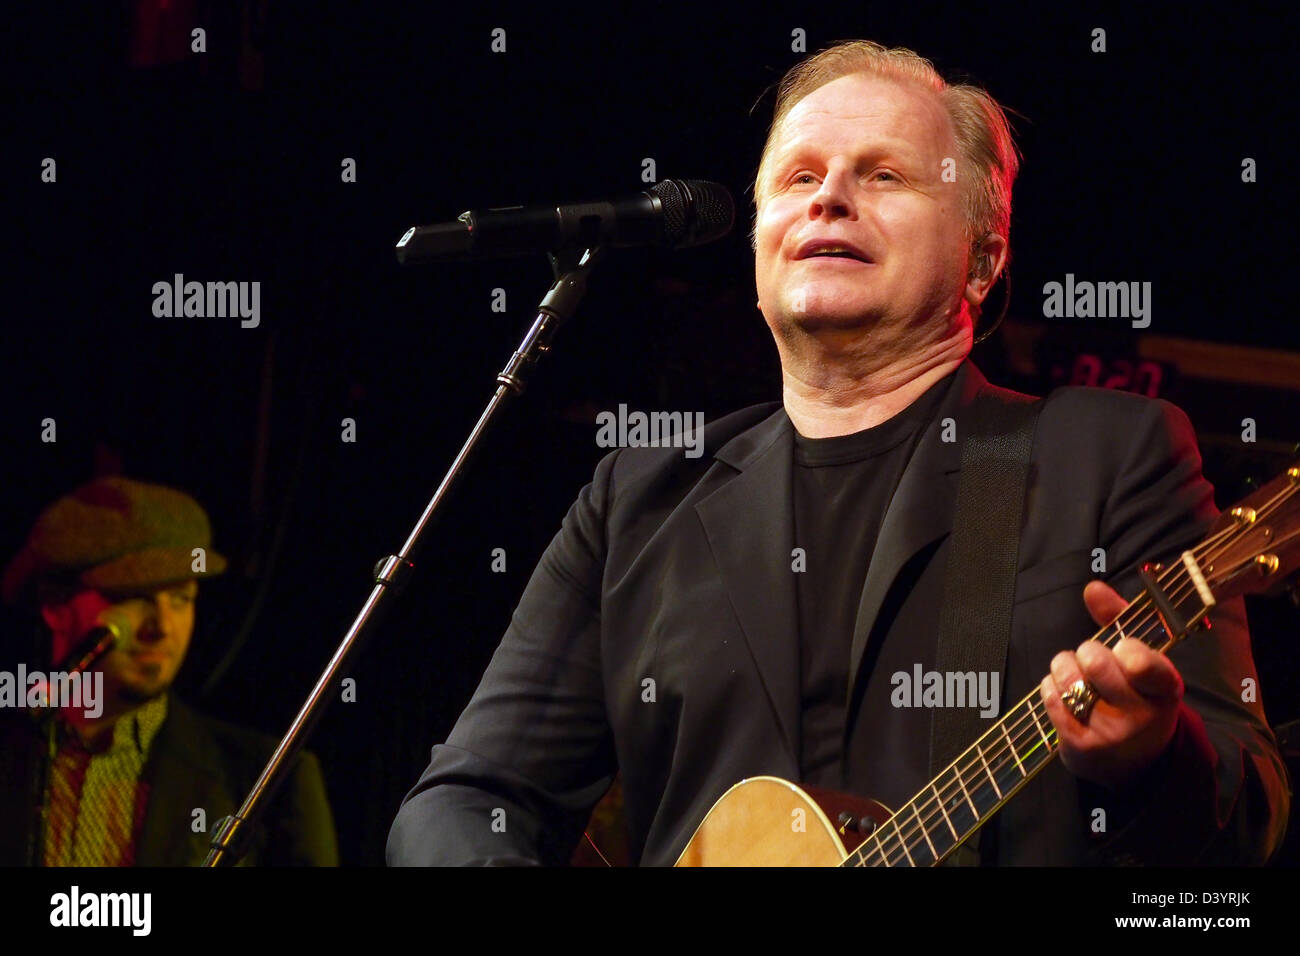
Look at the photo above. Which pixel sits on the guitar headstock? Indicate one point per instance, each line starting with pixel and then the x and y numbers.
pixel 1254 547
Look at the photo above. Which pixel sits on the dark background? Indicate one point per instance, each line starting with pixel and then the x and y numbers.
pixel 225 166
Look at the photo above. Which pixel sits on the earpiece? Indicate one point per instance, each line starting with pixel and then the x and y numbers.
pixel 982 264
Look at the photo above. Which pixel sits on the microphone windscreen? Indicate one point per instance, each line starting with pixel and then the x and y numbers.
pixel 695 211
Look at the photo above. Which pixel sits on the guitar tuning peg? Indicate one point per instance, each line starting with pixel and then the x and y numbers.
pixel 865 825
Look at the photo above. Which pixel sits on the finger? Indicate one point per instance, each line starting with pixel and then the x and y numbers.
pixel 1103 672
pixel 1070 731
pixel 1065 670
pixel 1103 602
pixel 1148 672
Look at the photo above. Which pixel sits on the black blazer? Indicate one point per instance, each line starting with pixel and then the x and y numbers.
pixel 678 571
pixel 194 762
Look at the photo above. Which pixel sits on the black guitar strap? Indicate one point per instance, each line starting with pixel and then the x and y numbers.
pixel 980 581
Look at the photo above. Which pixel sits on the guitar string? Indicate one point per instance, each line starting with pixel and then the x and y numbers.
pixel 995 759
pixel 998 758
pixel 1029 729
pixel 996 754
pixel 1025 731
pixel 906 837
pixel 1029 739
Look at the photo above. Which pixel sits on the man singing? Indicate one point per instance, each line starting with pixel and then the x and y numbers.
pixel 140 779
pixel 668 635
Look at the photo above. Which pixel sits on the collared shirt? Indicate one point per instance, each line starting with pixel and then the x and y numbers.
pixel 94 797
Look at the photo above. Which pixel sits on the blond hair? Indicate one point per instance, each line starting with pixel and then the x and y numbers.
pixel 987 162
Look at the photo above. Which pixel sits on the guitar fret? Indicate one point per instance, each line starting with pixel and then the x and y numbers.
pixel 1033 712
pixel 1012 748
pixel 1180 597
pixel 945 814
pixel 925 833
pixel 992 779
pixel 961 783
pixel 903 844
pixel 880 848
pixel 1155 617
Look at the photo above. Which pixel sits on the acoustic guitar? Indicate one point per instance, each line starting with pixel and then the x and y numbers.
pixel 766 821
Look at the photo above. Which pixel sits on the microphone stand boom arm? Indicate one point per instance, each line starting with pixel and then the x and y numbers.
pixel 571 268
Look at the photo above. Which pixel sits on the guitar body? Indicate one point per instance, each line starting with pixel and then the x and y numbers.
pixel 767 821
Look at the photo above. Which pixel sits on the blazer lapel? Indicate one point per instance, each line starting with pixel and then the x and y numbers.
pixel 749 524
pixel 920 512
pixel 181 770
pixel 750 530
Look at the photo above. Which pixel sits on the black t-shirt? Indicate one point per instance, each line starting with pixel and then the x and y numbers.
pixel 842 487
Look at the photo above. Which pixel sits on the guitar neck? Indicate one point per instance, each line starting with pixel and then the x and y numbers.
pixel 970 790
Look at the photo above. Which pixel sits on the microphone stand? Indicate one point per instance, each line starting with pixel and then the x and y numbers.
pixel 571 268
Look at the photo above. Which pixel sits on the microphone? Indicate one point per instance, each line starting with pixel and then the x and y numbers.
pixel 98 642
pixel 676 213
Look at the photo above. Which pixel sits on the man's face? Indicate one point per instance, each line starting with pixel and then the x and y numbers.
pixel 861 161
pixel 157 624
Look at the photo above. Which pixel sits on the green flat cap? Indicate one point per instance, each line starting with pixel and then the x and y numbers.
pixel 117 536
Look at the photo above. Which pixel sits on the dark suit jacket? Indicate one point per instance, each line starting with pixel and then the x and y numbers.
pixel 678 570
pixel 194 762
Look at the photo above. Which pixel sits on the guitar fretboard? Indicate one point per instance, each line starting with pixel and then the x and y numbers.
pixel 975 786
